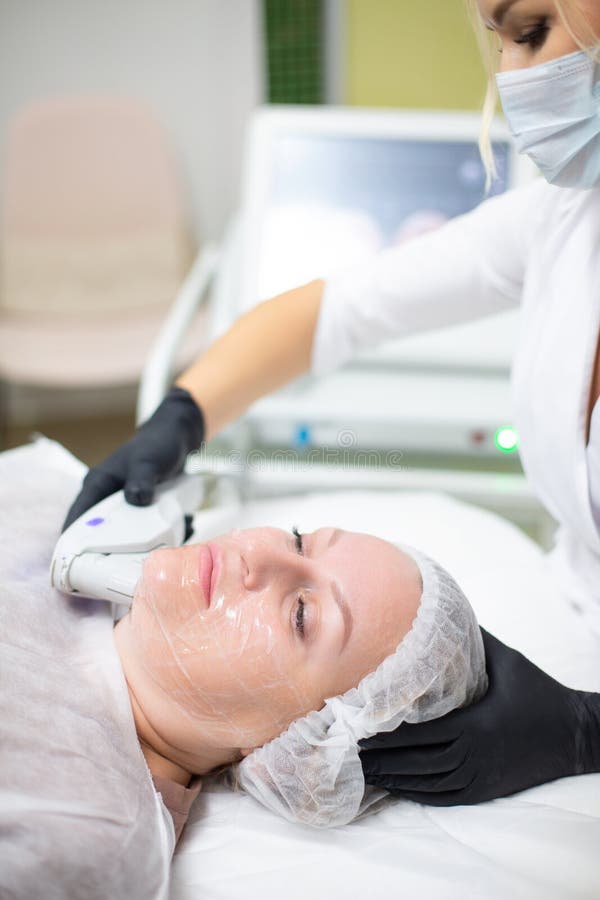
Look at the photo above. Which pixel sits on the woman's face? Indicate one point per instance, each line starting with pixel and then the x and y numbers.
pixel 532 32
pixel 230 641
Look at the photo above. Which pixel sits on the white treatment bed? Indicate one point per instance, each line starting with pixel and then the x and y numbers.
pixel 542 843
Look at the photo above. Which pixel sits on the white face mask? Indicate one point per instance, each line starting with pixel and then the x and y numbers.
pixel 553 112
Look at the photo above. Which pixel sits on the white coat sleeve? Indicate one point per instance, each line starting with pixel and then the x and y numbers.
pixel 473 266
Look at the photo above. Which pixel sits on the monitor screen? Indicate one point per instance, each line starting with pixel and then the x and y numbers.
pixel 336 200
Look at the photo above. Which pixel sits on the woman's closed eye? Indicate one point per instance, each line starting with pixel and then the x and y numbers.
pixel 299 609
pixel 299 617
pixel 299 544
pixel 535 37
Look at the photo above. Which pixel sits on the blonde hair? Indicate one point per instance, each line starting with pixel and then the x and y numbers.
pixel 578 27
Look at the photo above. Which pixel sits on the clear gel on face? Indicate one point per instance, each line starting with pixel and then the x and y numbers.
pixel 217 656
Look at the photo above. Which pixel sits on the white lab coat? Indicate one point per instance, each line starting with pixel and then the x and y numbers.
pixel 537 247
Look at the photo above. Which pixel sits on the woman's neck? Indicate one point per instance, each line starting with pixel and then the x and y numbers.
pixel 157 760
pixel 162 767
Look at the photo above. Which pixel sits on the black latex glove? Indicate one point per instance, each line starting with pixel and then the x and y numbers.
pixel 528 729
pixel 155 453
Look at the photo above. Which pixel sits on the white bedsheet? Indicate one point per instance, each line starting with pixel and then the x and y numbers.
pixel 543 843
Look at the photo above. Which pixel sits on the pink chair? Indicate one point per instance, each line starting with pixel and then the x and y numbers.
pixel 94 244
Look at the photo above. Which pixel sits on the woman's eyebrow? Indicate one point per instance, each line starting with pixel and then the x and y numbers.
pixel 501 9
pixel 345 611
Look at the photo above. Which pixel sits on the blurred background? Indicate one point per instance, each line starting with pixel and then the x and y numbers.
pixel 121 144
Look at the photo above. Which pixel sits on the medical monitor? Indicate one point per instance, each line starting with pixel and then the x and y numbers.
pixel 327 187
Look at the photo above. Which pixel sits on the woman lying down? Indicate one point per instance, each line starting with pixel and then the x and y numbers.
pixel 268 652
pixel 276 652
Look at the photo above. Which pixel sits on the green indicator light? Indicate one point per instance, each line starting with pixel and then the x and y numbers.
pixel 506 440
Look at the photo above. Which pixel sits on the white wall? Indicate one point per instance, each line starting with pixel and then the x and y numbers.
pixel 198 62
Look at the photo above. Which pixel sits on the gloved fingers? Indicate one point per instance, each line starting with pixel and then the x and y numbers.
pixel 440 790
pixel 436 759
pixel 433 798
pixel 97 485
pixel 495 650
pixel 142 478
pixel 437 731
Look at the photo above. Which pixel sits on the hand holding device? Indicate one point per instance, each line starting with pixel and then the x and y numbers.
pixel 157 451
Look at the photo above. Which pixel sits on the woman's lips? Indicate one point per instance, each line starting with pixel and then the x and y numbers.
pixel 205 570
pixel 216 555
pixel 209 570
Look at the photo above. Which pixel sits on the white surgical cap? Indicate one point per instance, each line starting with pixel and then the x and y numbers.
pixel 312 772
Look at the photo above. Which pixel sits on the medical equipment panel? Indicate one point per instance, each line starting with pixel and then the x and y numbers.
pixel 331 187
pixel 339 199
